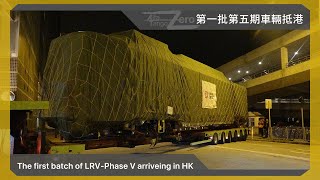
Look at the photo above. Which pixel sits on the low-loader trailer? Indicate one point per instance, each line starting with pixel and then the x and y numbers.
pixel 126 89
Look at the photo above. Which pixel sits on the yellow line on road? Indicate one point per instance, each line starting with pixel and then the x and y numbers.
pixel 281 147
pixel 257 144
pixel 306 150
pixel 271 142
pixel 266 153
pixel 299 152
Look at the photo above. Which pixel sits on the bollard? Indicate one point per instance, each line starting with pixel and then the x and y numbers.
pixel 304 134
pixel 252 132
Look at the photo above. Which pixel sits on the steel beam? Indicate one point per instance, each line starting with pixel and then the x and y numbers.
pixel 29 105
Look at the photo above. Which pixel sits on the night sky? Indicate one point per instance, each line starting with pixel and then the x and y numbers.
pixel 212 48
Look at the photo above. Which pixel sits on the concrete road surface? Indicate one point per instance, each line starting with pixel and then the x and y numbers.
pixel 239 155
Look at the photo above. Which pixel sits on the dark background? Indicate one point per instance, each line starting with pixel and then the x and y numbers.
pixel 213 48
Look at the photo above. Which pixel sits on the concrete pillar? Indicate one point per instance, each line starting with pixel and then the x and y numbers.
pixel 284 57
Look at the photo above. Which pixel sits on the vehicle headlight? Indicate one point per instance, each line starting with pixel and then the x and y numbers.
pixel 12 96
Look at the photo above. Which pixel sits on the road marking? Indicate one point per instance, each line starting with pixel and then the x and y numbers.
pixel 306 150
pixel 281 145
pixel 256 144
pixel 295 149
pixel 299 152
pixel 266 153
pixel 273 142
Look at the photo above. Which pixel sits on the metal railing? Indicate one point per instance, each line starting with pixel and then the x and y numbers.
pixel 274 68
pixel 291 133
pixel 298 60
pixel 265 72
pixel 259 74
pixel 287 101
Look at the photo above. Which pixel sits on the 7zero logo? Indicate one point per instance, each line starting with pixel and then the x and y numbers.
pixel 174 23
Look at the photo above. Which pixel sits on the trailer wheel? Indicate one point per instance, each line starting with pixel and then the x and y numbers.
pixel 223 138
pixel 241 136
pixel 229 140
pixel 215 139
pixel 235 136
pixel 131 144
pixel 245 135
pixel 177 139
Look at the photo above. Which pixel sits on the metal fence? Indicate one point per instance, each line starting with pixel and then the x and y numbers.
pixel 274 69
pixel 298 60
pixel 291 133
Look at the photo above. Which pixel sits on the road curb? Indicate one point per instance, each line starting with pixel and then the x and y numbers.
pixel 279 141
pixel 269 154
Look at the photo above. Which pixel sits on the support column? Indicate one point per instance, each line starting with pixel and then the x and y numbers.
pixel 284 57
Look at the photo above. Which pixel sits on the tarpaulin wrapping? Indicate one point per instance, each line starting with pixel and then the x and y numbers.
pixel 91 77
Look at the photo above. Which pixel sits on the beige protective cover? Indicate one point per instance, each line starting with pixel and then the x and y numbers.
pixel 91 77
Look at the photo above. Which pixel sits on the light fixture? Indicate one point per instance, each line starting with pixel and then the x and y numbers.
pixel 12 96
pixel 14 55
pixel 260 63
pixel 239 71
pixel 247 72
pixel 229 79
